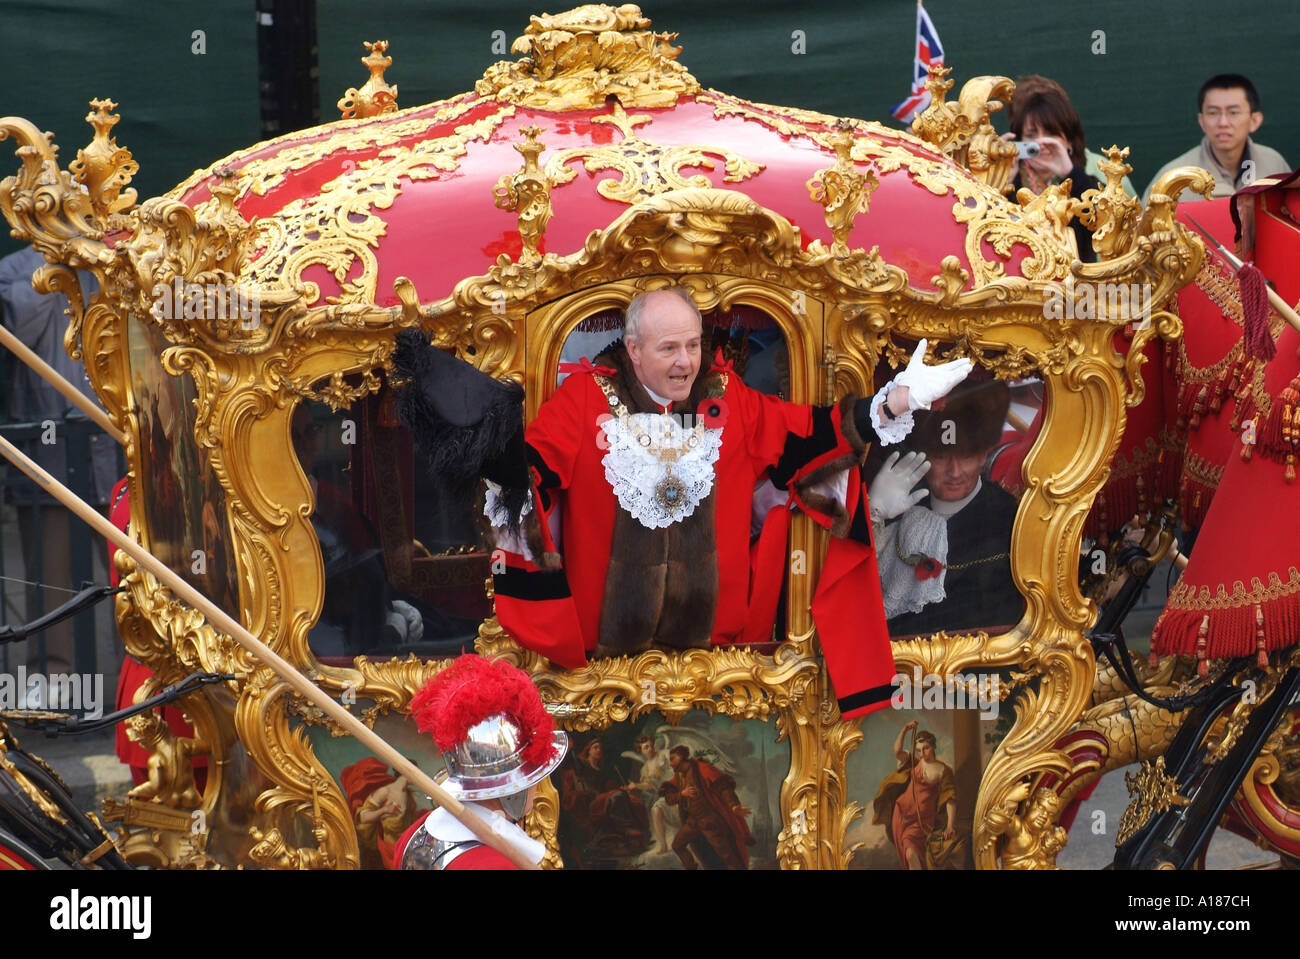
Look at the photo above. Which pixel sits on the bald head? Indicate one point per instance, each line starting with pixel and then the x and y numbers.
pixel 663 336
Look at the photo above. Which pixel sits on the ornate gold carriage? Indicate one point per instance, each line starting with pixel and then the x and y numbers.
pixel 246 321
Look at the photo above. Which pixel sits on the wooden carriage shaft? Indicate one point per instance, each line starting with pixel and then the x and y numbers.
pixel 285 670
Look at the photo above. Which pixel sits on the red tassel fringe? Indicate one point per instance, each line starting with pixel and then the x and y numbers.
pixel 1258 628
pixel 1137 487
pixel 1278 437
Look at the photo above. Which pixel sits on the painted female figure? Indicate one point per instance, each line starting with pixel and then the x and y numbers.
pixel 909 801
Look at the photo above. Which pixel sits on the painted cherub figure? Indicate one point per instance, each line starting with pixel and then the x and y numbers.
pixel 170 768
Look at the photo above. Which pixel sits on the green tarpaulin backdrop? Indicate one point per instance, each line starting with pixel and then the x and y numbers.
pixel 189 97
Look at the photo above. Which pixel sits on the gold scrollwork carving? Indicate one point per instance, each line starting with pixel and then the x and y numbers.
pixel 37 795
pixel 646 169
pixel 1153 791
pixel 543 821
pixel 838 739
pixel 46 207
pixel 103 167
pixel 1110 213
pixel 842 190
pixel 338 229
pixel 575 59
pixel 962 130
pixel 302 786
pixel 265 173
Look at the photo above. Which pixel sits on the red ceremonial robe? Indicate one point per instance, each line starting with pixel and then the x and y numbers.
pixel 557 611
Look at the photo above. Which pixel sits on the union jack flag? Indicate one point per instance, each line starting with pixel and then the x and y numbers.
pixel 929 49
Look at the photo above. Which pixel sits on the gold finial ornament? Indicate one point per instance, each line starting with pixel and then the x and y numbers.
pixel 1110 213
pixel 962 130
pixel 842 190
pixel 528 194
pixel 577 58
pixel 377 96
pixel 103 167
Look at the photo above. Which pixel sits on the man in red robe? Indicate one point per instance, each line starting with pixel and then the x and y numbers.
pixel 711 812
pixel 637 491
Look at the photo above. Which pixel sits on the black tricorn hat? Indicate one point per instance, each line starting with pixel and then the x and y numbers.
pixel 460 418
pixel 970 422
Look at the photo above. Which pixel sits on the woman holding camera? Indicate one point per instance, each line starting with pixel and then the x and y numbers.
pixel 1040 112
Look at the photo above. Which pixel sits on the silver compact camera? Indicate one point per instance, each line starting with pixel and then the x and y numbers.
pixel 1026 149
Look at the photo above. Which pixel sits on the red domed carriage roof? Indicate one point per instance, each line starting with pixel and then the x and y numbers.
pixel 350 206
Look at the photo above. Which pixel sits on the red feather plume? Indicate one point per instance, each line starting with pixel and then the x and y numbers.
pixel 473 689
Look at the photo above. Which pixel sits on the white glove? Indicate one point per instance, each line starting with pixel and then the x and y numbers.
pixel 414 623
pixel 891 492
pixel 925 384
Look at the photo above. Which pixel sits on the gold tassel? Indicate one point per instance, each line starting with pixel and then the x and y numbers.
pixel 1198 407
pixel 1290 435
pixel 1202 665
pixel 1261 653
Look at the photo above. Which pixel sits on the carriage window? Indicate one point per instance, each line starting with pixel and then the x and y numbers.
pixel 945 563
pixel 404 561
pixel 185 511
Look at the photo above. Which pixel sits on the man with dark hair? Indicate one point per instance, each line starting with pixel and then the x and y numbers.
pixel 601 815
pixel 711 812
pixel 1228 112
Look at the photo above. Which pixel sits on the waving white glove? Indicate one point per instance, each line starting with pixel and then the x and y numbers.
pixel 925 384
pixel 892 491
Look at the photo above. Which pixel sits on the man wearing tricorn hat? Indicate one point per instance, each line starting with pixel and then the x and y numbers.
pixel 498 742
pixel 946 564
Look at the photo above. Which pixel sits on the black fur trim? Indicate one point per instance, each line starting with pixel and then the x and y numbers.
pixel 459 455
pixel 803 449
pixel 531 585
